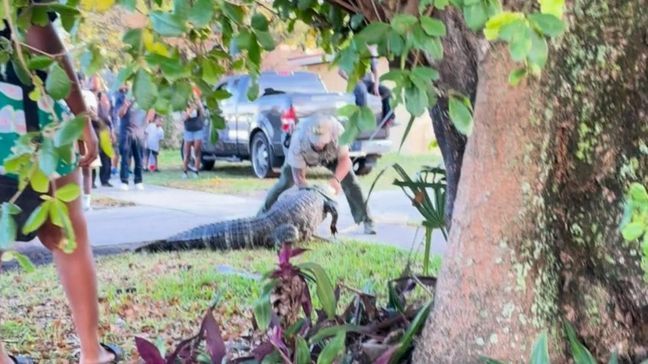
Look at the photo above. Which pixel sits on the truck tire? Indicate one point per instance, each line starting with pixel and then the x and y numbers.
pixel 364 166
pixel 261 156
pixel 207 165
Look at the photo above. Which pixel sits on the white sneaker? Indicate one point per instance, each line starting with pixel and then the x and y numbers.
pixel 123 186
pixel 86 202
pixel 139 186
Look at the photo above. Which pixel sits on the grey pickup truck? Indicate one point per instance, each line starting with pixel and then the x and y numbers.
pixel 253 129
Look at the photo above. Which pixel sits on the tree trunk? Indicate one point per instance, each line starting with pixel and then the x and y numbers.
pixel 535 237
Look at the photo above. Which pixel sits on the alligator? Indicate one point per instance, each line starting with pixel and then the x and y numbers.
pixel 293 218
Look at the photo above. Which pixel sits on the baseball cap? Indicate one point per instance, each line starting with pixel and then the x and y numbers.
pixel 322 130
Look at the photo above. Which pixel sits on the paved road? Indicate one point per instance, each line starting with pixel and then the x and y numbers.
pixel 160 212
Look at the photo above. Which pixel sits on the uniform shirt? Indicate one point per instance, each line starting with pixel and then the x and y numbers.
pixel 301 154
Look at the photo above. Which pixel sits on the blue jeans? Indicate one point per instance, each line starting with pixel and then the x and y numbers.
pixel 130 146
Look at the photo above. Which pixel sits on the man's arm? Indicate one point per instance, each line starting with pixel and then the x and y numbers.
pixel 344 165
pixel 299 176
pixel 46 39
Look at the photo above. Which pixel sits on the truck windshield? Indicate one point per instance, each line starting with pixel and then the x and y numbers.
pixel 298 82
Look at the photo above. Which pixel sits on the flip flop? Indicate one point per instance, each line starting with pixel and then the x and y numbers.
pixel 114 350
pixel 21 359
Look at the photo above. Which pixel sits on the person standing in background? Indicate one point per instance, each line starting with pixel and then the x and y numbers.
pixel 154 134
pixel 131 135
pixel 104 114
pixel 194 122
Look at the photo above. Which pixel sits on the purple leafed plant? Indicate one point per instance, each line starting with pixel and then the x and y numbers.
pixel 363 333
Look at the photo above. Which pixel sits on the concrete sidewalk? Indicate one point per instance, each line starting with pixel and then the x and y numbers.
pixel 160 212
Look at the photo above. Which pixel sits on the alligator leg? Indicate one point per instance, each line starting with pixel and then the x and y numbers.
pixel 330 207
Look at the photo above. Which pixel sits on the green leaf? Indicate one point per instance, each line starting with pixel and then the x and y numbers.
pixel 144 89
pixel 40 62
pixel 123 75
pixel 434 48
pixel 253 91
pixel 539 50
pixel 244 39
pixel 211 71
pixel 373 33
pixel 356 21
pixel 22 260
pixel 396 43
pixel 233 12
pixel 520 42
pixel 167 24
pixel 633 231
pixel 39 16
pixel 540 352
pixel 548 24
pixel 553 7
pixel 201 13
pixel 348 110
pixel 424 73
pixel 8 228
pixel 579 352
pixel 265 40
pixel 416 100
pixel 325 291
pixel 460 115
pixel 433 27
pixel 638 193
pixel 128 4
pixel 105 143
pixel 333 350
pixel 133 37
pixel 59 214
pixel 396 76
pixel 57 84
pixel 494 24
pixel 366 119
pixel 21 72
pixel 67 13
pixel 68 193
pixel 406 133
pixel 614 358
pixel 48 157
pixel 263 312
pixel 181 9
pixel 476 16
pixel 92 60
pixel 37 218
pixel 516 76
pixel 402 23
pixel 173 68
pixel 407 342
pixel 259 22
pixel 302 353
pixel 39 181
pixel 304 4
pixel 70 131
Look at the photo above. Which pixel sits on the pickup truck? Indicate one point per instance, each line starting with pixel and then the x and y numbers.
pixel 253 129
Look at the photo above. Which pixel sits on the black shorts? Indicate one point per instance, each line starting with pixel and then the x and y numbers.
pixel 28 201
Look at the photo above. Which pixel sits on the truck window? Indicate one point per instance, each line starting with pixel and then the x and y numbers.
pixel 298 82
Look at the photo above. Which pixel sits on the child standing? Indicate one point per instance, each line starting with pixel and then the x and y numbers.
pixel 154 134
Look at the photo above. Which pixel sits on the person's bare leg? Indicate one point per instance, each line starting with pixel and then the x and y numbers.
pixel 4 357
pixel 78 277
pixel 187 150
pixel 197 151
pixel 87 180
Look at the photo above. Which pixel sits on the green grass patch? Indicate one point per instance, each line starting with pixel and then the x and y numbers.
pixel 165 295
pixel 237 178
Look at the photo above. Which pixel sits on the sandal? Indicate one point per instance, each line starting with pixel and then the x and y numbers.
pixel 114 350
pixel 21 359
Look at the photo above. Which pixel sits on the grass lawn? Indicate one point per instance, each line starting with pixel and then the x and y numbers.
pixel 237 178
pixel 163 296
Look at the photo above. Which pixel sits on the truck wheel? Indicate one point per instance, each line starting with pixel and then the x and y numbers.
pixel 261 156
pixel 208 165
pixel 363 166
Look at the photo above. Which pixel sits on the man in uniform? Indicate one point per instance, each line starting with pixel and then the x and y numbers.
pixel 316 142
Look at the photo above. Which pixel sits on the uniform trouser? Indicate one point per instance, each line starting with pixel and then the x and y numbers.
pixel 350 186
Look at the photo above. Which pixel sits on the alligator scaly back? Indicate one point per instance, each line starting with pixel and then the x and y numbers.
pixel 301 211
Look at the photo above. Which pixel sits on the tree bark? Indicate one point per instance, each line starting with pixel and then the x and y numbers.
pixel 535 238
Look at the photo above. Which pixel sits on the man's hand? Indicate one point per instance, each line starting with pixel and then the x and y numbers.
pixel 337 188
pixel 89 149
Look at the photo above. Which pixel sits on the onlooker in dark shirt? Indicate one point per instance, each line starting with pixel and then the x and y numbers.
pixel 131 135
